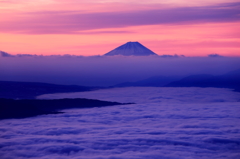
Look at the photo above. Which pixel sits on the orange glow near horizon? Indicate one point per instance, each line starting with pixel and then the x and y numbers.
pixel 78 33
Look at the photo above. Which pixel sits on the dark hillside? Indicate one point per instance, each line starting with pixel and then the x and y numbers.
pixel 10 108
pixel 29 90
pixel 228 80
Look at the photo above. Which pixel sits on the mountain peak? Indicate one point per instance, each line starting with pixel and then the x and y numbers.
pixel 131 49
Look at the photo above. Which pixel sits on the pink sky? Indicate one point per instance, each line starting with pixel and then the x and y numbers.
pixel 95 27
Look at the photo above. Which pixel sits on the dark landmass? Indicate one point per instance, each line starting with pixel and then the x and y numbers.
pixel 10 108
pixel 156 81
pixel 29 90
pixel 228 80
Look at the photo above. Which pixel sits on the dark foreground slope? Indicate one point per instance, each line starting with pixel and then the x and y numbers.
pixel 10 108
pixel 29 90
pixel 228 80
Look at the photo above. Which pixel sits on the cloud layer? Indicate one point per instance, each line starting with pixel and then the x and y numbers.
pixel 196 123
pixel 74 22
pixel 107 71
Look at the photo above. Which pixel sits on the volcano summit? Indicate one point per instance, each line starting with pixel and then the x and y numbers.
pixel 131 49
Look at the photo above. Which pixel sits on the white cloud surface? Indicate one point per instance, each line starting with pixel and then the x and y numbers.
pixel 184 123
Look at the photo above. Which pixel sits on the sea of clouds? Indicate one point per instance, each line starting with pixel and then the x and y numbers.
pixel 166 123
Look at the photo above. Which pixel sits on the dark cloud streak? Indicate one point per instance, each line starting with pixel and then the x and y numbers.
pixel 77 23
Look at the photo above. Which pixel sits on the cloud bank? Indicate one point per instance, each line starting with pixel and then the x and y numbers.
pixel 107 71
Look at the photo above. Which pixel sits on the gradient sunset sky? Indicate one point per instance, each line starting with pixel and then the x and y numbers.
pixel 95 27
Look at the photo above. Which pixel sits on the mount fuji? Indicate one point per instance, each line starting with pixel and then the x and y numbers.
pixel 131 49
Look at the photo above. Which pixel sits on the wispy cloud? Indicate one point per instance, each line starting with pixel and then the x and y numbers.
pixel 64 22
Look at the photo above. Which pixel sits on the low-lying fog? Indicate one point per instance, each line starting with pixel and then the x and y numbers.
pixel 107 71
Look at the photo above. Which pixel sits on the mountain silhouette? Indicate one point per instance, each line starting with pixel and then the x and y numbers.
pixel 228 80
pixel 5 54
pixel 131 49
